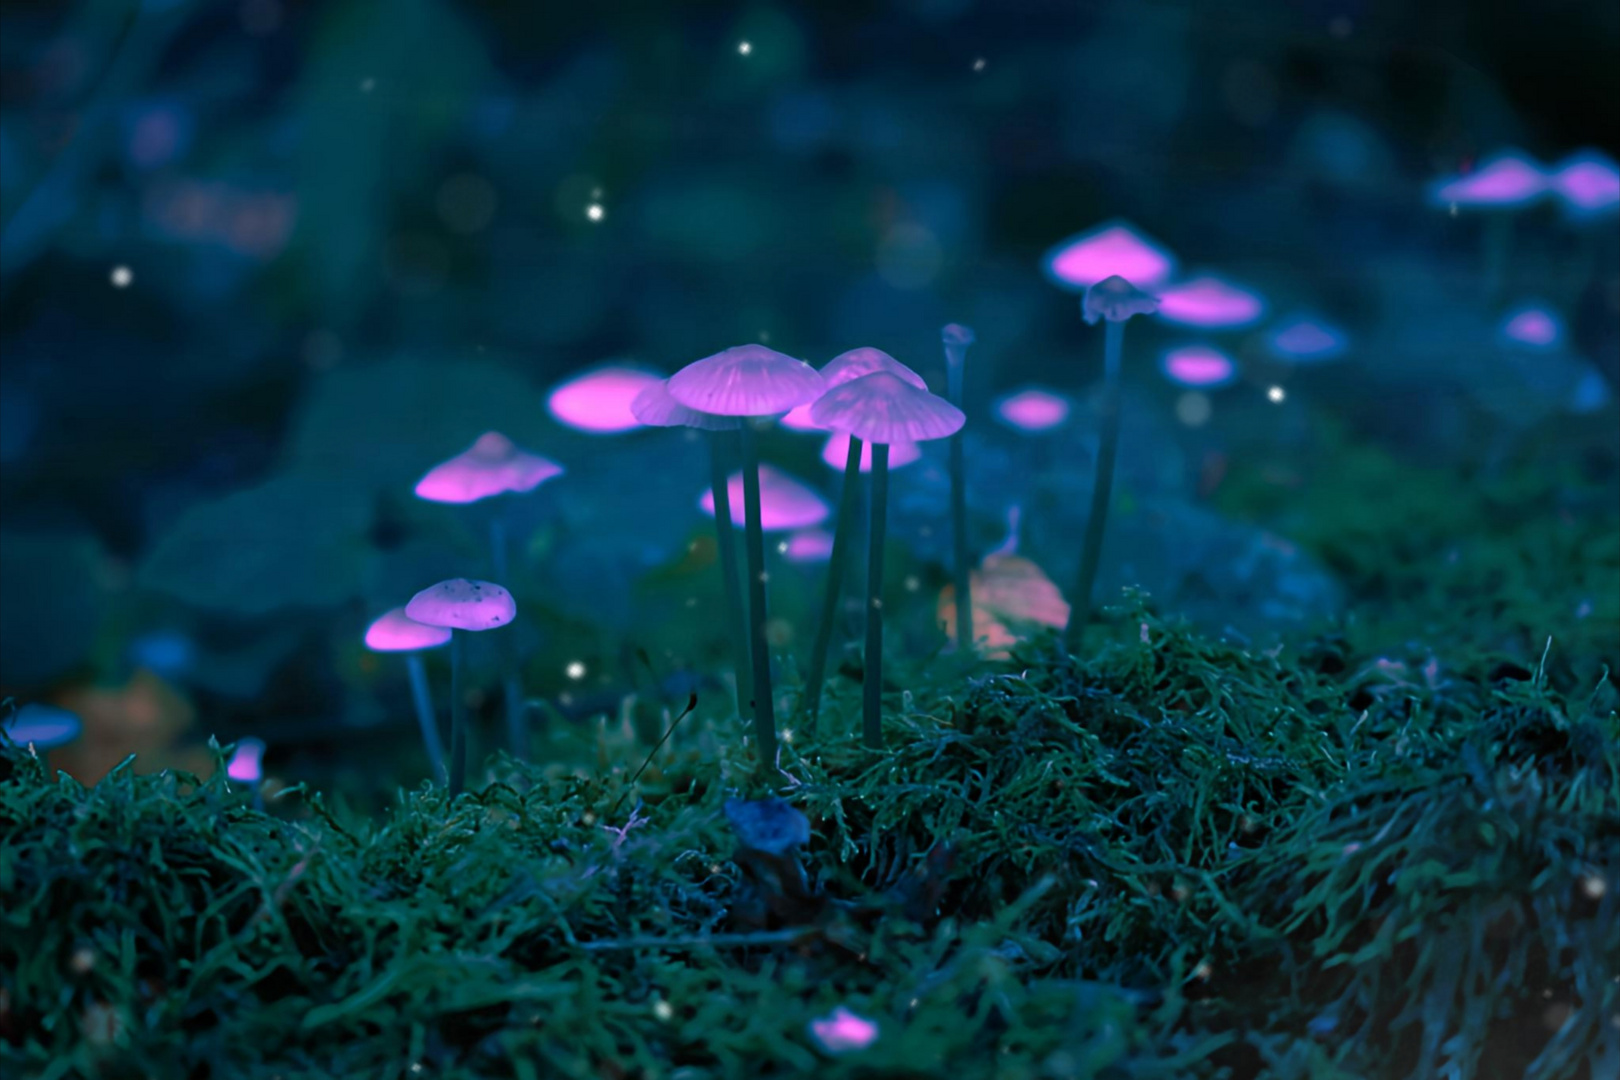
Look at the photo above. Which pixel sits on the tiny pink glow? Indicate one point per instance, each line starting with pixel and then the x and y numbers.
pixel 493 465
pixel 1532 326
pixel 1032 410
pixel 1588 182
pixel 841 1031
pixel 836 452
pixel 810 546
pixel 1199 365
pixel 798 419
pixel 1209 301
pixel 1507 180
pixel 599 401
pixel 398 632
pixel 247 762
pixel 1090 257
pixel 784 503
pixel 1304 340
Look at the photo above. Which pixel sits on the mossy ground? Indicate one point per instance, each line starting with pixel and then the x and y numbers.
pixel 1389 850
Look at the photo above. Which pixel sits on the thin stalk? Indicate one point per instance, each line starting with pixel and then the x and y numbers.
pixel 458 719
pixel 956 356
pixel 424 714
pixel 1102 487
pixel 872 687
pixel 835 582
pixel 725 533
pixel 764 705
pixel 512 696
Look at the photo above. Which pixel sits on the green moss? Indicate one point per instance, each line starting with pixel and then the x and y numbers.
pixel 1180 859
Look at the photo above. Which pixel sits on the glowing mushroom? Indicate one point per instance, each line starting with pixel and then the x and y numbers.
pixel 835 452
pixel 1211 303
pixel 784 503
pixel 1501 184
pixel 1587 183
pixel 1198 367
pixel 43 727
pixel 1305 339
pixel 1533 326
pixel 1113 300
pixel 655 407
pixel 397 632
pixel 842 1031
pixel 598 401
pixel 1032 410
pixel 493 466
pixel 882 409
pixel 1114 248
pixel 749 381
pixel 470 607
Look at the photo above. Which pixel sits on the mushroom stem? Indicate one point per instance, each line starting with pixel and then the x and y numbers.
pixel 1102 486
pixel 764 706
pixel 458 720
pixel 424 714
pixel 872 687
pixel 726 540
pixel 516 705
pixel 955 361
pixel 835 582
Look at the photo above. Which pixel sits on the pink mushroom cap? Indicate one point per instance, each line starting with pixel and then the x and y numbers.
pixel 1534 326
pixel 884 408
pixel 1106 251
pixel 1210 301
pixel 461 604
pixel 493 465
pixel 809 546
pixel 957 334
pixel 1200 366
pixel 599 401
pixel 247 761
pixel 851 365
pixel 836 452
pixel 655 407
pixel 784 503
pixel 746 380
pixel 1115 299
pixel 1032 410
pixel 842 1031
pixel 1507 179
pixel 398 632
pixel 1588 182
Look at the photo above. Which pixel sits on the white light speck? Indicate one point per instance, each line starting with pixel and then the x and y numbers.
pixel 367 85
pixel 575 669
pixel 1277 395
pixel 744 48
pixel 912 583
pixel 782 547
pixel 595 211
pixel 663 1010
pixel 978 65
pixel 121 277
pixel 787 735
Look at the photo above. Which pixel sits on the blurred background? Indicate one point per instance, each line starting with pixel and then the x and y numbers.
pixel 265 262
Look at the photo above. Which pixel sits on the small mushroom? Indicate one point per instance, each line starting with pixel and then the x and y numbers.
pixel 1113 300
pixel 42 727
pixel 882 409
pixel 1032 410
pixel 1201 367
pixel 1210 302
pixel 784 503
pixel 397 632
pixel 750 381
pixel 1109 249
pixel 1306 339
pixel 597 402
pixel 471 607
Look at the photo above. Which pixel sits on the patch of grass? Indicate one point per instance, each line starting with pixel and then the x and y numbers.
pixel 1177 859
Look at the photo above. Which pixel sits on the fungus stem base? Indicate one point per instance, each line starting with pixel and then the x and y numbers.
pixel 424 715
pixel 458 719
pixel 835 582
pixel 1101 491
pixel 764 704
pixel 725 534
pixel 872 684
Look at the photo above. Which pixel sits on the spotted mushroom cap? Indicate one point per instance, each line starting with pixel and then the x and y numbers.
pixel 747 380
pixel 494 465
pixel 884 408
pixel 864 361
pixel 461 604
pixel 1115 299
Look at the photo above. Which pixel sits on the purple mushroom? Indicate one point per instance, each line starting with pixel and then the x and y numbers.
pixel 841 369
pixel 397 632
pixel 1113 300
pixel 750 381
pixel 471 607
pixel 882 409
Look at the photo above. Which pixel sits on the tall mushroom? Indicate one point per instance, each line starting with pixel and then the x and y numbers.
pixel 654 407
pixel 843 368
pixel 490 467
pixel 469 606
pixel 749 381
pixel 1114 300
pixel 881 409
pixel 396 632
